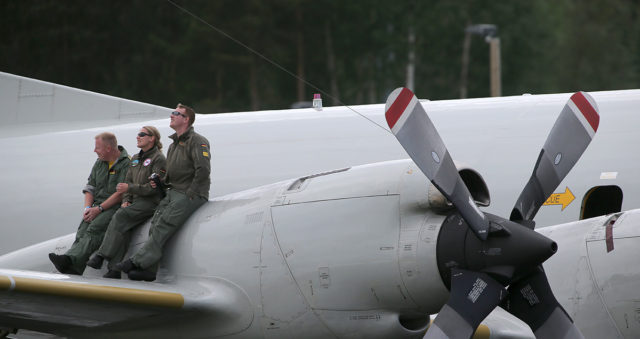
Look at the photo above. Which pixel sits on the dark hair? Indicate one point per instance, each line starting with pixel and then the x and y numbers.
pixel 190 113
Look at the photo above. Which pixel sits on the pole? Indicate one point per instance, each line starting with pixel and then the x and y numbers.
pixel 464 73
pixel 411 63
pixel 494 56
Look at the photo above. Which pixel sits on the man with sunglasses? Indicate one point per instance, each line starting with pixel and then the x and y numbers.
pixel 187 181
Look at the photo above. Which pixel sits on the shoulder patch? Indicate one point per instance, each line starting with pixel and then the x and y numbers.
pixel 134 163
pixel 205 153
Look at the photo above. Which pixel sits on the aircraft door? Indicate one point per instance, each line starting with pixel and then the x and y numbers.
pixel 601 200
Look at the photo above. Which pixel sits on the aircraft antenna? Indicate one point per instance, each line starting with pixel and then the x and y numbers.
pixel 275 64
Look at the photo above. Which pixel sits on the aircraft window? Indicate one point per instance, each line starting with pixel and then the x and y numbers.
pixel 298 183
pixel 601 200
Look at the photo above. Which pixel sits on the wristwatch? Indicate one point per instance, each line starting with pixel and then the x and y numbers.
pixel 100 208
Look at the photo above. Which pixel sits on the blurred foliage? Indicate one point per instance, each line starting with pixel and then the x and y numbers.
pixel 152 51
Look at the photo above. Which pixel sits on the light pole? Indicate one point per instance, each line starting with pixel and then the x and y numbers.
pixel 489 32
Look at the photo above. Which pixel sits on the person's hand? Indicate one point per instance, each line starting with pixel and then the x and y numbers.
pixel 125 204
pixel 153 184
pixel 122 187
pixel 90 214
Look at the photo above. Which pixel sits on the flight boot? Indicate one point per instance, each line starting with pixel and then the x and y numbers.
pixel 139 275
pixel 95 261
pixel 62 263
pixel 112 274
pixel 126 266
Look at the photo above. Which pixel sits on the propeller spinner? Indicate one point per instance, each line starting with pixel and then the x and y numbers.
pixel 492 266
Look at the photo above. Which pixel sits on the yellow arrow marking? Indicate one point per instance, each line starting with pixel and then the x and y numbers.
pixel 563 199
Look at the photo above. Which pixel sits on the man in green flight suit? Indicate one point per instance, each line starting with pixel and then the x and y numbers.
pixel 101 200
pixel 188 181
pixel 139 202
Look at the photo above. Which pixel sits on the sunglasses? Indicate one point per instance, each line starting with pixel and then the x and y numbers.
pixel 143 134
pixel 178 113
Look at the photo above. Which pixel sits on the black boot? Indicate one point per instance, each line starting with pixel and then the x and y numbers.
pixel 126 266
pixel 145 275
pixel 62 263
pixel 111 274
pixel 95 261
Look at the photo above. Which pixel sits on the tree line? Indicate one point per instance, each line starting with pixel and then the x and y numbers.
pixel 237 55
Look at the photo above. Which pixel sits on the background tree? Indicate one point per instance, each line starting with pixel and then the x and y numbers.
pixel 355 52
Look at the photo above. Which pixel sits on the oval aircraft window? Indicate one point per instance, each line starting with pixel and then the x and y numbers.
pixel 601 200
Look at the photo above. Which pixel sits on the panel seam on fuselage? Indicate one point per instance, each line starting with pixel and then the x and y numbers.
pixel 626 237
pixel 334 199
pixel 286 262
pixel 599 291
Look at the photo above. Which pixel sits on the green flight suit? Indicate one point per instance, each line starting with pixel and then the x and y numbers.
pixel 188 178
pixel 102 184
pixel 143 198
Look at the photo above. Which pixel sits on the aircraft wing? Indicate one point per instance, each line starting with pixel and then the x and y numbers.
pixel 79 306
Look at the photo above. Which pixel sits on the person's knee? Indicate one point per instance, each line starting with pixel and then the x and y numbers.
pixel 123 215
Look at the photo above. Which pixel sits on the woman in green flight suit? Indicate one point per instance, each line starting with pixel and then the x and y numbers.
pixel 139 202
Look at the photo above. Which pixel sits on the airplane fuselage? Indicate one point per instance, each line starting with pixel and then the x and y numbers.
pixel 499 137
pixel 353 252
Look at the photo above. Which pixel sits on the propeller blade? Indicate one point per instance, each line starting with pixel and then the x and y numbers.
pixel 532 300
pixel 417 134
pixel 473 296
pixel 573 131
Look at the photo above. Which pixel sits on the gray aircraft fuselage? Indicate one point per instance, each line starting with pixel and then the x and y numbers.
pixel 46 164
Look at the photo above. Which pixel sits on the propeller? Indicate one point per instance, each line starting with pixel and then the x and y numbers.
pixel 460 317
pixel 569 137
pixel 532 301
pixel 417 134
pixel 499 261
